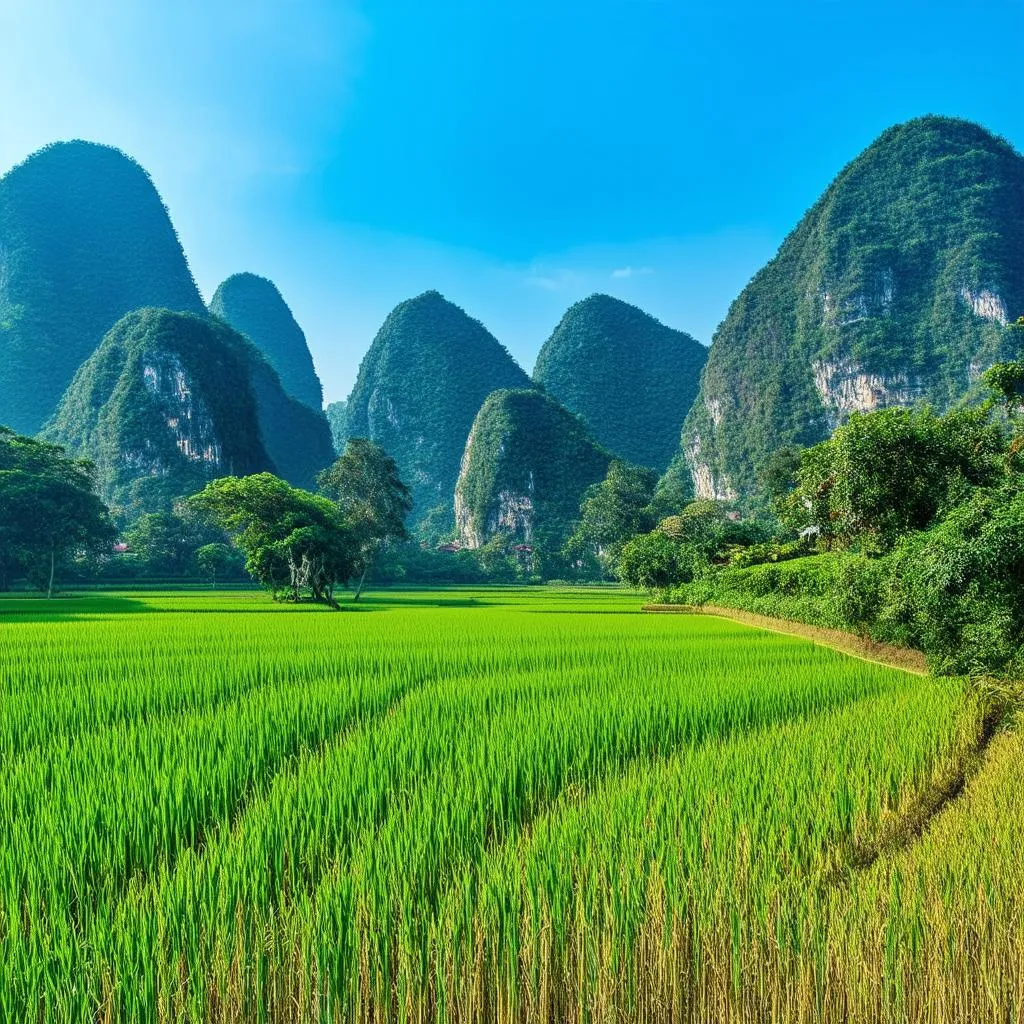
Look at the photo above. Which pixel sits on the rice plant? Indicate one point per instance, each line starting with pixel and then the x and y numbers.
pixel 513 805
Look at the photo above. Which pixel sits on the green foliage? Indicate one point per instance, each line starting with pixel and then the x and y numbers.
pixel 365 485
pixel 254 307
pixel 49 509
pixel 957 591
pixel 613 512
pixel 888 473
pixel 527 465
pixel 630 378
pixel 217 560
pixel 164 544
pixel 164 405
pixel 337 419
pixel 297 438
pixel 657 562
pixel 419 388
pixel 170 401
pixel 294 542
pixel 84 239
pixel 876 279
pixel 674 490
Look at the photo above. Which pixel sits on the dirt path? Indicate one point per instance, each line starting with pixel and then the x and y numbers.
pixel 847 643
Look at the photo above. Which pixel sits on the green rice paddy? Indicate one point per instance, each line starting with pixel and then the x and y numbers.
pixel 495 805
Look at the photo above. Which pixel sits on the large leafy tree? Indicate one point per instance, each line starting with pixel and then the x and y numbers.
pixel 49 509
pixel 295 543
pixel 365 485
pixel 657 561
pixel 613 511
pixel 888 473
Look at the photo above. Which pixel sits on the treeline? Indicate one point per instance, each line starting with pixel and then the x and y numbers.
pixel 300 545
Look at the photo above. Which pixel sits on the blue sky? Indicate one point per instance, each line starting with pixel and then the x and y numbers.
pixel 516 155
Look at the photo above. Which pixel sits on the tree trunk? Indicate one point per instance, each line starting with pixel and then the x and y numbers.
pixel 362 580
pixel 49 589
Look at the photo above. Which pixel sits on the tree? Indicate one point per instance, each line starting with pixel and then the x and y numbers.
pixel 613 512
pixel 373 501
pixel 48 508
pixel 654 561
pixel 294 541
pixel 956 588
pixel 215 560
pixel 888 473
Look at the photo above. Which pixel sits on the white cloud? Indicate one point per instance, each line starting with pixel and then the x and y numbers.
pixel 624 273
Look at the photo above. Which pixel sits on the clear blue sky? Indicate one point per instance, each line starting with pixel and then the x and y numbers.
pixel 516 155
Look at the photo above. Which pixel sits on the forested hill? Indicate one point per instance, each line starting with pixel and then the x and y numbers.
pixel 420 386
pixel 84 239
pixel 527 464
pixel 896 287
pixel 171 400
pixel 254 307
pixel 151 408
pixel 630 377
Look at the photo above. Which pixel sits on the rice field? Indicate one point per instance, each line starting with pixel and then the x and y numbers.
pixel 497 805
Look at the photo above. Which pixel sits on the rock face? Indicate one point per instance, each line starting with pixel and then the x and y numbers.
pixel 894 288
pixel 255 308
pixel 527 463
pixel 337 418
pixel 164 404
pixel 171 400
pixel 84 239
pixel 419 388
pixel 630 377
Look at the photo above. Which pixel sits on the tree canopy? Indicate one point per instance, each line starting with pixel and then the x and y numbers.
pixel 295 543
pixel 49 509
pixel 365 485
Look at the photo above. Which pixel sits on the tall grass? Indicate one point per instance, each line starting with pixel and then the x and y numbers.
pixel 466 805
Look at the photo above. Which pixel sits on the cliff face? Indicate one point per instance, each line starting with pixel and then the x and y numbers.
pixel 255 308
pixel 419 388
pixel 84 239
pixel 630 377
pixel 337 419
pixel 527 463
pixel 164 404
pixel 896 287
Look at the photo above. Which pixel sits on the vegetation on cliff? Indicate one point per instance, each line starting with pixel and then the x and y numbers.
pixel 630 377
pixel 337 420
pixel 527 465
pixel 254 307
pixel 894 288
pixel 419 388
pixel 84 239
pixel 165 404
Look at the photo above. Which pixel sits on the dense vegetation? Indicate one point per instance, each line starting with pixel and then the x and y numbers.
pixel 49 510
pixel 630 378
pixel 904 525
pixel 297 438
pixel 527 465
pixel 337 419
pixel 170 401
pixel 419 389
pixel 84 239
pixel 165 404
pixel 255 308
pixel 495 813
pixel 893 288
